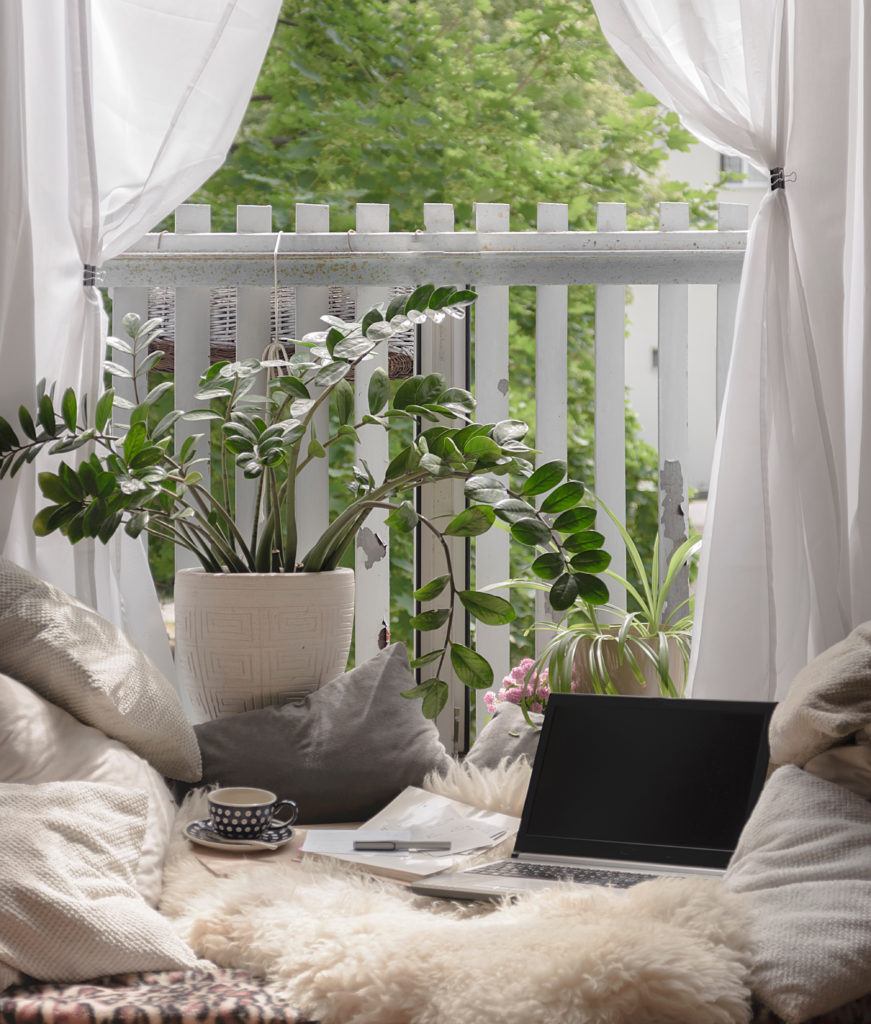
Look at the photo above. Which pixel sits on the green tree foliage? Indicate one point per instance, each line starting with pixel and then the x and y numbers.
pixel 462 101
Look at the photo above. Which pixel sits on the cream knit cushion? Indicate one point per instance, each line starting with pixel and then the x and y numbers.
pixel 803 862
pixel 69 910
pixel 78 660
pixel 40 742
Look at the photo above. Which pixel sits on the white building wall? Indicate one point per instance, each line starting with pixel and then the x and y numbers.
pixel 700 167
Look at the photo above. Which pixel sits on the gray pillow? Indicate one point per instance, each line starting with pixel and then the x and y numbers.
pixel 341 753
pixel 507 734
pixel 802 862
pixel 81 662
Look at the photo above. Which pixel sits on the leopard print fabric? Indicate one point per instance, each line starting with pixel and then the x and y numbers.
pixel 165 997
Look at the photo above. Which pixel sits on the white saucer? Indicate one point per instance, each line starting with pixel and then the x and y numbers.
pixel 202 833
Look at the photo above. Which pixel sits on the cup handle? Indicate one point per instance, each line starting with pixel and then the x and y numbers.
pixel 294 812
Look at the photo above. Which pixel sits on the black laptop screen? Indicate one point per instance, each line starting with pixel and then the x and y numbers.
pixel 643 778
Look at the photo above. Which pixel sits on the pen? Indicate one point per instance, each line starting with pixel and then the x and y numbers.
pixel 406 845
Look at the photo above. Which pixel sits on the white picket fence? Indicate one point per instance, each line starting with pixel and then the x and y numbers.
pixel 371 260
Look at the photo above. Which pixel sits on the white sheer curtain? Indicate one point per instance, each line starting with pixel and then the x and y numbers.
pixel 786 565
pixel 111 114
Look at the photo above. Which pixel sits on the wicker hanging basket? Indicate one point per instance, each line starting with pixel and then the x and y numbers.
pixel 222 325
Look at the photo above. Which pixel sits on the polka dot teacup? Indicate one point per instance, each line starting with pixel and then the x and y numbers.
pixel 242 813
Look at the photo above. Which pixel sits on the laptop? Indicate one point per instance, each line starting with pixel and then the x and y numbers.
pixel 624 789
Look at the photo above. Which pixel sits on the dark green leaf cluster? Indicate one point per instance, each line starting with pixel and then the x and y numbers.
pixel 263 413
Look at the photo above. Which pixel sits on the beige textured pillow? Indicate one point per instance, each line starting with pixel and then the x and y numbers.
pixel 803 863
pixel 828 701
pixel 40 742
pixel 69 910
pixel 78 660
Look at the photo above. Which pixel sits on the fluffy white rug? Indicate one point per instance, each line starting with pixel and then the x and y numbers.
pixel 353 950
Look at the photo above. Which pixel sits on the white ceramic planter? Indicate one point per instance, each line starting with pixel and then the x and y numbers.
pixel 248 640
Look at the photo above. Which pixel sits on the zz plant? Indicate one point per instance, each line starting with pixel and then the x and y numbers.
pixel 129 475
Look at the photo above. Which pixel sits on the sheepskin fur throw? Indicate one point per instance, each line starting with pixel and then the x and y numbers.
pixel 349 949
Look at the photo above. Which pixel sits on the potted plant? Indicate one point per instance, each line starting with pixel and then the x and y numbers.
pixel 133 479
pixel 602 648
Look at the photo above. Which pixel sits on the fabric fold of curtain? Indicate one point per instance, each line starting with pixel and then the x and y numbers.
pixel 111 115
pixel 785 567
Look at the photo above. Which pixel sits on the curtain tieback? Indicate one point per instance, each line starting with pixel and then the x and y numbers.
pixel 92 277
pixel 778 177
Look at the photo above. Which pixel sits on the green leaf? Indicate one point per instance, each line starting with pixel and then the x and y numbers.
pixel 564 497
pixel 511 509
pixel 548 566
pixel 586 540
pixel 52 488
pixel 530 531
pixel 509 430
pixel 71 482
pixel 591 588
pixel 331 374
pixel 575 520
pixel 8 437
pixel 544 478
pixel 490 609
pixel 136 439
pixel 379 390
pixel 344 396
pixel 291 385
pixel 471 668
pixel 564 592
pixel 403 518
pixel 425 659
pixel 482 447
pixel 471 522
pixel 429 591
pixel 485 489
pixel 407 392
pixel 315 449
pixel 433 619
pixel 136 524
pixel 594 560
pixel 42 525
pixel 69 409
pixel 419 297
pixel 26 421
pixel 47 418
pixel 104 409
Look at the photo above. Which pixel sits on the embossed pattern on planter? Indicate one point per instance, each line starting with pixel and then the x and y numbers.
pixel 245 641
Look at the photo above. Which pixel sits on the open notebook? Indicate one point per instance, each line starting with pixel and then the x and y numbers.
pixel 626 788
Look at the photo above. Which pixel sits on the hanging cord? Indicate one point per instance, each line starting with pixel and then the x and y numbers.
pixel 275 349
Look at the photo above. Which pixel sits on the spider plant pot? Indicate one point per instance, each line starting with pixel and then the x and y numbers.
pixel 599 667
pixel 248 640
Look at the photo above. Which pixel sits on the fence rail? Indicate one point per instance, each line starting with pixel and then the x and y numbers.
pixel 492 259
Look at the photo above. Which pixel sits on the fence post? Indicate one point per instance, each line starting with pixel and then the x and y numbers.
pixel 492 552
pixel 192 350
pixel 313 492
pixel 252 337
pixel 551 380
pixel 673 385
pixel 730 217
pixel 372 546
pixel 609 423
pixel 443 350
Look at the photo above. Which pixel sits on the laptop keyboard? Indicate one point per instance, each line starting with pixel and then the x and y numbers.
pixel 562 873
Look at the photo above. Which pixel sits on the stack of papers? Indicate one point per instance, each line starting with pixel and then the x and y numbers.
pixel 416 815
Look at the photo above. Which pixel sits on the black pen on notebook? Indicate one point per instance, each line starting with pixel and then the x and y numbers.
pixel 404 845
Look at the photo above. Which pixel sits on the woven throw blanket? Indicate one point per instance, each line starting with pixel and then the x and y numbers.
pixel 347 948
pixel 162 997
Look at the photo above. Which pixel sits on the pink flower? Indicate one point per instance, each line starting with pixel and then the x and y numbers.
pixel 521 684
